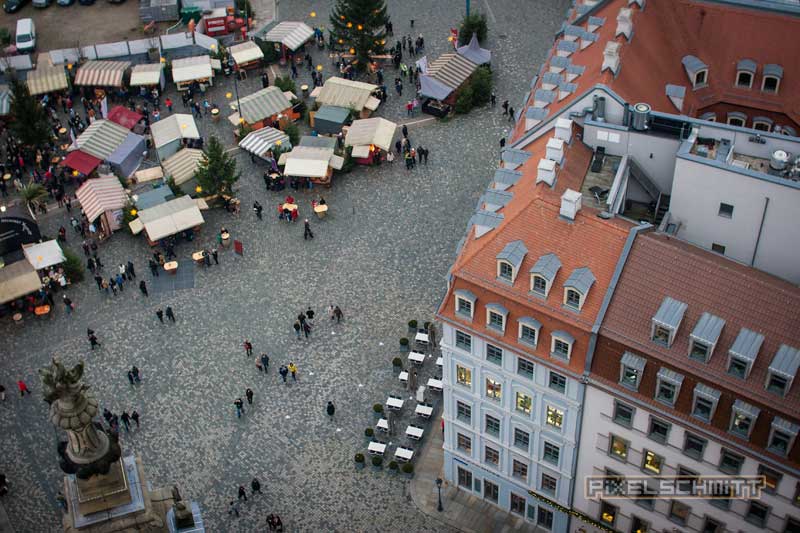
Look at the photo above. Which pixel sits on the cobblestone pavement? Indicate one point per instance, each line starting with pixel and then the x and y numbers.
pixel 382 255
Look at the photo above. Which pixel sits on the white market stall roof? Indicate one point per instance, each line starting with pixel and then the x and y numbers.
pixel 245 52
pixel 191 68
pixel 43 254
pixel 148 74
pixel 177 126
pixel 98 195
pixel 376 131
pixel 305 161
pixel 183 164
pixel 102 73
pixel 46 78
pixel 263 104
pixel 102 138
pixel 5 100
pixel 346 93
pixel 292 35
pixel 259 141
pixel 18 279
pixel 170 218
pixel 148 174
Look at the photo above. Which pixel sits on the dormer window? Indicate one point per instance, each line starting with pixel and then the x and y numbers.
pixel 572 298
pixel 700 78
pixel 631 370
pixel 505 271
pixel 782 436
pixel 666 321
pixel 529 330
pixel 496 317
pixel 771 81
pixel 745 71
pixel 539 285
pixel 561 344
pixel 696 70
pixel 543 273
pixel 737 118
pixel 762 123
pixel 744 80
pixel 577 286
pixel 510 259
pixel 743 419
pixel 704 337
pixel 742 354
pixel 465 303
pixel 668 386
pixel 782 370
pixel 705 402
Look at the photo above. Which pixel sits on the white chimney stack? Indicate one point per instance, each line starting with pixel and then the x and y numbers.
pixel 546 171
pixel 570 204
pixel 555 150
pixel 611 56
pixel 564 129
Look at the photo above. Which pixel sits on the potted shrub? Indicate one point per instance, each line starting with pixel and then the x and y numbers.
pixel 412 324
pixel 393 466
pixel 395 362
pixel 427 326
pixel 408 469
pixel 359 459
pixel 377 461
pixel 378 408
pixel 403 343
pixel 369 432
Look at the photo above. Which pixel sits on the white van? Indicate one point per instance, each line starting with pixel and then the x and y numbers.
pixel 26 36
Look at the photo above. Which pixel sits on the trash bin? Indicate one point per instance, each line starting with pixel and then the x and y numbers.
pixel 304 88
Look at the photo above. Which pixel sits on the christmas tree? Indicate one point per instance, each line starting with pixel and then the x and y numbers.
pixel 359 27
pixel 29 124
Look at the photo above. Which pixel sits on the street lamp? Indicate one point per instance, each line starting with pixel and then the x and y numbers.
pixel 439 486
pixel 235 85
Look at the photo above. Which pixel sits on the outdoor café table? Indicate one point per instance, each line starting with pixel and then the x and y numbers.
pixel 171 267
pixel 416 357
pixel 376 448
pixel 394 403
pixel 422 338
pixel 403 376
pixel 425 411
pixel 414 432
pixel 435 384
pixel 321 210
pixel 440 361
pixel 403 454
pixel 198 257
pixel 290 207
pixel 41 310
pixel 383 424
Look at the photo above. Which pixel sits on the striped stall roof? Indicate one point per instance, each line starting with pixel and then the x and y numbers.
pixel 451 69
pixel 260 141
pixel 102 138
pixel 102 73
pixel 98 195
pixel 182 165
pixel 292 35
pixel 263 104
pixel 46 79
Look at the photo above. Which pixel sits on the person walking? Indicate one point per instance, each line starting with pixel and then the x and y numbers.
pixel 505 107
pixel 153 267
pixel 93 340
pixel 242 493
pixel 502 142
pixel 2 393
pixel 330 409
pixel 248 348
pixel 233 508
pixel 126 421
pixel 493 99
pixel 170 314
pixel 113 284
pixel 511 114
pixel 99 280
pixel 258 209
pixel 168 103
pixel 293 369
pixel 120 282
pixel 214 255
pixel 23 388
pixel 239 407
pixel 249 394
pixel 306 329
pixel 130 270
pixel 143 287
pixel 310 315
pixel 136 375
pixel 68 304
pixel 297 329
pixel 307 234
pixel 265 362
pixel 338 314
pixel 160 315
pixel 135 418
pixel 255 486
pixel 283 371
pixel 130 377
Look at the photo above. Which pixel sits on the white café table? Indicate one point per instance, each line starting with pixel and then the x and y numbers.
pixel 424 410
pixel 383 424
pixel 376 448
pixel 403 454
pixel 421 337
pixel 394 403
pixel 403 376
pixel 435 384
pixel 414 432
pixel 440 361
pixel 416 357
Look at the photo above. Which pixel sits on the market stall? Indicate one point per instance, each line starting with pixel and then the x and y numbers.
pixel 192 69
pixel 246 55
pixel 102 73
pixel 288 37
pixel 101 138
pixel 263 107
pixel 124 117
pixel 46 78
pixel 128 155
pixel 81 162
pixel 169 133
pixel 169 218
pixel 316 164
pixel 355 95
pixel 43 254
pixel 329 119
pixel 148 75
pixel 17 280
pixel 370 138
pixel 181 167
pixel 445 76
pixel 147 175
pixel 152 197
pixel 259 142
pixel 103 198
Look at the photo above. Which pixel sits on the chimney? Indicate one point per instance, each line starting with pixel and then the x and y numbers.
pixel 555 150
pixel 611 57
pixel 546 171
pixel 570 204
pixel 564 129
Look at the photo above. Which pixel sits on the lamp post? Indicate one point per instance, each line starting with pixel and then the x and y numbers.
pixel 439 486
pixel 235 85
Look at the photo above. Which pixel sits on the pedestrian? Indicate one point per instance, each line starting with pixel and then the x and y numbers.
pixel 242 493
pixel 510 114
pixel 258 209
pixel 265 362
pixel 425 154
pixel 122 269
pixel 170 314
pixel 168 103
pixel 310 315
pixel 136 375
pixel 307 234
pixel 502 142
pixel 297 328
pixel 107 415
pixel 120 282
pixel 338 313
pixel 264 80
pixel 505 107
pixel 130 377
pixel 23 388
pixel 126 421
pixel 274 522
pixel 2 393
pixel 233 508
pixel 293 369
pixel 130 270
pixel 306 329
pixel 68 304
pixel 330 409
pixel 493 99
pixel 153 267
pixel 249 394
pixel 331 313
pixel 160 315
pixel 135 418
pixel 85 247
pixel 405 131
pixel 255 486
pixel 283 371
pixel 420 151
pixel 113 284
pixel 214 255
pixel 239 407
pixel 248 347
pixel 99 280
pixel 143 287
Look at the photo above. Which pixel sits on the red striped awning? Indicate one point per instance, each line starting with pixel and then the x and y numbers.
pixel 102 73
pixel 124 116
pixel 81 161
pixel 98 195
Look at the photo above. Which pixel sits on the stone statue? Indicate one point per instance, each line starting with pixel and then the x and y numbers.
pixel 89 450
pixel 182 510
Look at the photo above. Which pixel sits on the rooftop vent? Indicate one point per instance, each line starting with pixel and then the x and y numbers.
pixel 676 93
pixel 611 57
pixel 779 160
pixel 640 116
pixel 625 23
pixel 546 171
pixel 570 204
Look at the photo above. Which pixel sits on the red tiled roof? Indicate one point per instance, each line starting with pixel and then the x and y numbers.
pixel 659 266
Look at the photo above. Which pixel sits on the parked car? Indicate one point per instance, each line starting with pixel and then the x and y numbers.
pixel 65 3
pixel 25 39
pixel 41 3
pixel 12 6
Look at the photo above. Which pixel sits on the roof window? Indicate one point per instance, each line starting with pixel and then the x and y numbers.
pixel 666 321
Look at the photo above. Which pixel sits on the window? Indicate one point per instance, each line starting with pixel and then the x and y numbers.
pixel 757 514
pixel 771 478
pixel 464 478
pixel 525 368
pixel 490 491
pixel 738 368
pixel 555 417
pixel 630 377
pixel 527 334
pixel 505 271
pixel 652 462
pixel 639 526
pixel 524 403
pixel 777 384
pixel 694 446
pixel 549 484
pixel 700 78
pixel 618 447
pixel 744 79
pixel 463 412
pixel 721 503
pixel 614 483
pixel 666 392
pixel 735 121
pixel 494 354
pixel 496 320
pixel 608 513
pixel 780 441
pixel 463 307
pixel 730 463
pixel 561 348
pixel 521 439
pixel 539 285
pixel 679 512
pixel 558 382
pixel 741 424
pixel 491 456
pixel 623 414
pixel 463 341
pixel 573 299
pixel 662 335
pixel 687 480
pixel 551 453
pixel 718 248
pixel 494 389
pixel 712 526
pixel 770 84
pixel 463 376
pixel 659 430
pixel 464 443
pixel 643 501
pixel 492 426
pixel 760 125
pixel 519 469
pixel 703 408
pixel 544 518
pixel 699 351
pixel 517 504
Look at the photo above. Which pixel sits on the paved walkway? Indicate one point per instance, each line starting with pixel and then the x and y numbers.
pixel 461 510
pixel 5 523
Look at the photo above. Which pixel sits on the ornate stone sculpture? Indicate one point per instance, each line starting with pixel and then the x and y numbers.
pixel 89 450
pixel 182 510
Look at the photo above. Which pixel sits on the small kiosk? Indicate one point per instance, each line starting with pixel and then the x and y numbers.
pixel 246 55
pixel 103 198
pixel 192 69
pixel 370 139
pixel 329 119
